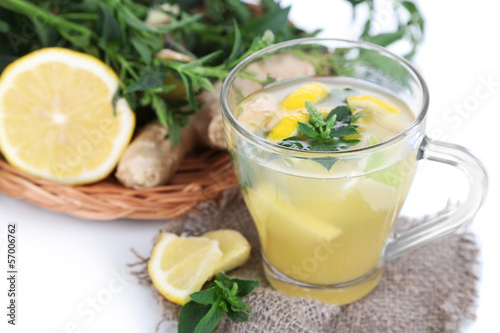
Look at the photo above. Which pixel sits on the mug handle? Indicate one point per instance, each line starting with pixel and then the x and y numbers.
pixel 443 225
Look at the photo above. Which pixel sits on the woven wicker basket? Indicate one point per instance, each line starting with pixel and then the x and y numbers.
pixel 203 175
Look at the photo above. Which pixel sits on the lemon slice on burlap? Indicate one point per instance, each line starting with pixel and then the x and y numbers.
pixel 234 246
pixel 57 120
pixel 180 266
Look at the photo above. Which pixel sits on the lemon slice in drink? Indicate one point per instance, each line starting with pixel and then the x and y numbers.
pixel 286 127
pixel 313 92
pixel 371 104
pixel 56 116
pixel 180 266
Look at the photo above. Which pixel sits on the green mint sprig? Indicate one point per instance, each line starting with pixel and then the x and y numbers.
pixel 205 310
pixel 325 134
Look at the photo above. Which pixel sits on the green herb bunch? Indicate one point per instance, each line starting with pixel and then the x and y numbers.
pixel 325 134
pixel 115 31
pixel 205 310
pixel 217 34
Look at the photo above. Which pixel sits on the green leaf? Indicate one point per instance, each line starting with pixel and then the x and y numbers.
pixel 308 130
pixel 330 123
pixel 293 142
pixel 386 39
pixel 237 44
pixel 174 133
pixel 142 49
pixel 150 78
pixel 342 131
pixel 210 321
pixel 191 314
pixel 316 117
pixel 245 287
pixel 4 27
pixel 274 21
pixel 238 316
pixel 110 26
pixel 319 146
pixel 342 113
pixel 160 108
pixel 205 297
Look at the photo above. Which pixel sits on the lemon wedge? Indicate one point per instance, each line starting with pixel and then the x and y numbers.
pixel 313 92
pixel 57 120
pixel 286 127
pixel 235 249
pixel 180 266
pixel 371 103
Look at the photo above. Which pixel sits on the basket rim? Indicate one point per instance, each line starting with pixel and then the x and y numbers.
pixel 203 175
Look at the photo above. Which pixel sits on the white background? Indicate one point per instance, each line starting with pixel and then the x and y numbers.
pixel 73 274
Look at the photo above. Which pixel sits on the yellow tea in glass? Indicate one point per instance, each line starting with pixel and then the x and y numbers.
pixel 325 158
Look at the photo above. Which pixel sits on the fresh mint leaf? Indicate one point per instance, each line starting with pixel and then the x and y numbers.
pixel 205 297
pixel 245 287
pixel 238 316
pixel 324 136
pixel 326 147
pixel 346 144
pixel 340 132
pixel 210 321
pixel 330 123
pixel 343 114
pixel 308 130
pixel 316 118
pixel 206 308
pixel 292 142
pixel 191 314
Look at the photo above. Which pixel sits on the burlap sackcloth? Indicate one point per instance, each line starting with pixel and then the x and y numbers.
pixel 431 289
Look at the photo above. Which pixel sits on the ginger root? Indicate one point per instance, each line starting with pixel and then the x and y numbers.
pixel 150 160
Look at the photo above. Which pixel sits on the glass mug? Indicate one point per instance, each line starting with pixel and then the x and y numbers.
pixel 326 233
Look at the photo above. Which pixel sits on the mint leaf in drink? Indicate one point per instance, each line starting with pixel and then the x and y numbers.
pixel 308 130
pixel 316 117
pixel 342 131
pixel 343 114
pixel 293 142
pixel 206 308
pixel 325 135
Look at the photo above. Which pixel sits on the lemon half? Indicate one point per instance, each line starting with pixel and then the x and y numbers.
pixel 57 120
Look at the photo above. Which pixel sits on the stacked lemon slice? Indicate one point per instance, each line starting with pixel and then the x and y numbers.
pixel 180 266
